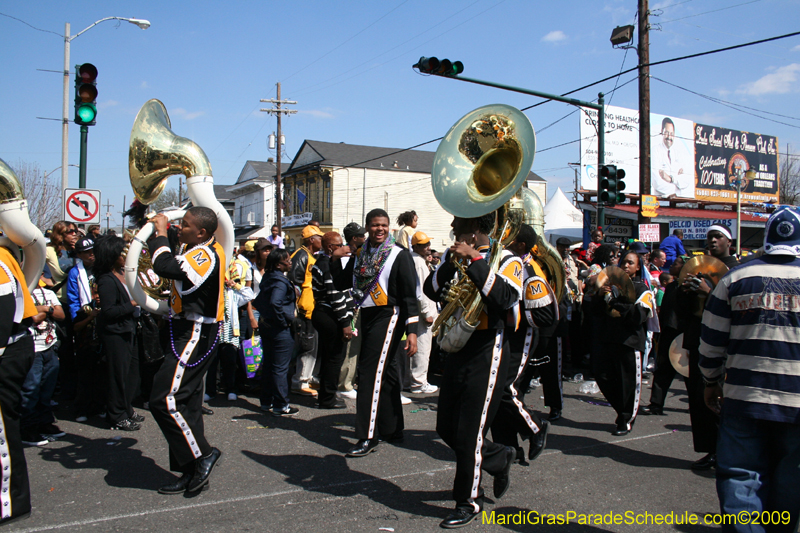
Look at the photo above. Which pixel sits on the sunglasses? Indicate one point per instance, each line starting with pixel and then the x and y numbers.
pixel 71 232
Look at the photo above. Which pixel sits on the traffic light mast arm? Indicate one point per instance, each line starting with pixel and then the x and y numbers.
pixel 601 120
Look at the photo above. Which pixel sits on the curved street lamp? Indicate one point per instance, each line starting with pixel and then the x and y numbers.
pixel 143 24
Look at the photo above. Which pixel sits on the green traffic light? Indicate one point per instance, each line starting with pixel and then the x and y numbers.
pixel 86 113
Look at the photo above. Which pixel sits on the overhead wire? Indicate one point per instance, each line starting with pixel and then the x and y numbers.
pixel 329 52
pixel 727 104
pixel 712 11
pixel 403 54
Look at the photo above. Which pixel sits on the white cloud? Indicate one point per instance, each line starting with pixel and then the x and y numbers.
pixel 145 85
pixel 796 48
pixel 107 103
pixel 186 115
pixel 780 81
pixel 318 113
pixel 554 37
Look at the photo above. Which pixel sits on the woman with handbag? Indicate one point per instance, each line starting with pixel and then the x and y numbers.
pixel 117 327
pixel 276 304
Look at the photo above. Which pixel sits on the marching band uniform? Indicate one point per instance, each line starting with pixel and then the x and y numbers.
pixel 16 358
pixel 388 306
pixel 197 306
pixel 620 376
pixel 540 310
pixel 474 377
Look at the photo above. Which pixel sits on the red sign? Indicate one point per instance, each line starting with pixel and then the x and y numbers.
pixel 82 206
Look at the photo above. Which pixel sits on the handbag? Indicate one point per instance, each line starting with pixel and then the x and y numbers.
pixel 150 350
pixel 251 354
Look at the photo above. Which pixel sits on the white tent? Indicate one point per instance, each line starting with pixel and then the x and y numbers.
pixel 562 219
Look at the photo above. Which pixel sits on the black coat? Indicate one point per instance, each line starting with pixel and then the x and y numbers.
pixel 116 309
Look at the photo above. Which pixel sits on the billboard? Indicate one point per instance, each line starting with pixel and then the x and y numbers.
pixel 687 160
pixel 722 155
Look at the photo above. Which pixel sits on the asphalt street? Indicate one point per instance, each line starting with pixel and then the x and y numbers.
pixel 286 475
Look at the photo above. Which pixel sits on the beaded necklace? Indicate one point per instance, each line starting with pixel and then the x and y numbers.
pixel 369 266
pixel 177 355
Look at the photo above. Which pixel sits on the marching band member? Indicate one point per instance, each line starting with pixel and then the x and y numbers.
pixel 382 277
pixel 620 378
pixel 539 307
pixel 471 390
pixel 17 314
pixel 197 307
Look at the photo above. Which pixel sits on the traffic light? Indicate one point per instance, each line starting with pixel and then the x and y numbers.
pixel 445 67
pixel 610 185
pixel 85 94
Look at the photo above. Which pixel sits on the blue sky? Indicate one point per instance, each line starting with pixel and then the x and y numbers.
pixel 348 65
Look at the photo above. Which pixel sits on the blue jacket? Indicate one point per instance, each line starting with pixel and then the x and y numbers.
pixel 673 247
pixel 276 300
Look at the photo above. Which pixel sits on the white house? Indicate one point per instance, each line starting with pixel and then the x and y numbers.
pixel 253 195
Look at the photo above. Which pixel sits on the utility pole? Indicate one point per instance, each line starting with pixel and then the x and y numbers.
pixel 108 215
pixel 279 112
pixel 644 104
pixel 124 198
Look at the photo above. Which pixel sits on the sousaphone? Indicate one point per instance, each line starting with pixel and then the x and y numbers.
pixel 547 257
pixel 156 153
pixel 18 229
pixel 479 167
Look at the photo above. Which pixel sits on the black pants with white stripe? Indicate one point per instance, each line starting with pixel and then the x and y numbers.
pixel 550 371
pixel 470 396
pixel 513 418
pixel 177 396
pixel 619 377
pixel 15 494
pixel 379 412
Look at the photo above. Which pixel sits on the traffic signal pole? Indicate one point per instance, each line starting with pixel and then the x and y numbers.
pixel 599 106
pixel 82 174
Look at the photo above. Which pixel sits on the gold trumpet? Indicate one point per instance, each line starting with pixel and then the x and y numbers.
pixel 479 166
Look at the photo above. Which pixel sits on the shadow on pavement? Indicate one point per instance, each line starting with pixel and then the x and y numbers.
pixel 326 474
pixel 127 467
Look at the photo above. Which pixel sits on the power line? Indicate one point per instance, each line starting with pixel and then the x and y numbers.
pixel 544 101
pixel 347 40
pixel 730 105
pixel 712 11
pixel 34 27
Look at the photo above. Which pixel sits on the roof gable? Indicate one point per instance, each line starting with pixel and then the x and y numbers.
pixel 353 155
pixel 263 170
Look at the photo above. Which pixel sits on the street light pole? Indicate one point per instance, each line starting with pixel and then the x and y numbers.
pixel 143 24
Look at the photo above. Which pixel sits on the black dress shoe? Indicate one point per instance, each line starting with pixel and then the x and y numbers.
pixel 503 480
pixel 622 429
pixel 459 518
pixel 652 410
pixel 706 463
pixel 538 441
pixel 202 470
pixel 555 414
pixel 363 447
pixel 337 404
pixel 178 487
pixel 206 410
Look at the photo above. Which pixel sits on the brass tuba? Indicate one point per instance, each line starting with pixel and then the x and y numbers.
pixel 18 228
pixel 478 168
pixel 547 257
pixel 155 153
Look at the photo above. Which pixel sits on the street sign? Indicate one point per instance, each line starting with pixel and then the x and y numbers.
pixel 82 206
pixel 650 232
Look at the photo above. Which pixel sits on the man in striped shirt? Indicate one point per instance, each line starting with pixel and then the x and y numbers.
pixel 750 342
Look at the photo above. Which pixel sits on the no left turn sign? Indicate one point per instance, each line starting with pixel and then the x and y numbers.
pixel 82 206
